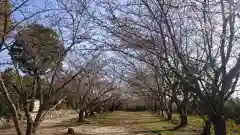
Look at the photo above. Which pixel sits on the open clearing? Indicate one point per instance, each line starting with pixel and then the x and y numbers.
pixel 122 123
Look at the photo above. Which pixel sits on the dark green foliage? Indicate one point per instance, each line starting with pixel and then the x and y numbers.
pixel 36 49
pixel 135 108
pixel 4 110
pixel 11 82
pixel 14 87
pixel 232 109
pixel 140 108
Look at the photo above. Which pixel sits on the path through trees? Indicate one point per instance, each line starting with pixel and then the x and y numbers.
pixel 118 123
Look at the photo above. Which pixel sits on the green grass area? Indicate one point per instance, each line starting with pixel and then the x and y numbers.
pixel 145 122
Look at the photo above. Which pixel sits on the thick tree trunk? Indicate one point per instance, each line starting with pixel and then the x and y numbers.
pixel 169 115
pixel 35 127
pixel 183 114
pixel 159 112
pixel 112 107
pixel 184 106
pixel 183 117
pixel 29 130
pixel 170 109
pixel 81 116
pixel 32 125
pixel 32 128
pixel 155 110
pixel 37 121
pixel 87 113
pixel 38 89
pixel 91 113
pixel 219 124
pixel 34 88
pixel 91 110
pixel 31 105
pixel 207 127
pixel 163 106
pixel 162 112
pixel 184 120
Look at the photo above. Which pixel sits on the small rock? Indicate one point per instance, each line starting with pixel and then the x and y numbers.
pixel 71 131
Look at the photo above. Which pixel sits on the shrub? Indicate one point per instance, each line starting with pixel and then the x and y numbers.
pixel 232 110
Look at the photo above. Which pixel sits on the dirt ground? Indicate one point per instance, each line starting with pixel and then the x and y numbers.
pixel 59 126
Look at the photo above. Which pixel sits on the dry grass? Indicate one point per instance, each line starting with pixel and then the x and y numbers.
pixel 147 123
pixel 125 123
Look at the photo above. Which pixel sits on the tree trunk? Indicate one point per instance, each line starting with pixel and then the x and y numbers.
pixel 32 128
pixel 169 115
pixel 38 89
pixel 159 112
pixel 12 106
pixel 29 130
pixel 184 106
pixel 183 117
pixel 112 107
pixel 16 121
pixel 219 124
pixel 207 127
pixel 183 114
pixel 81 116
pixel 35 127
pixel 37 120
pixel 34 88
pixel 162 106
pixel 31 105
pixel 91 110
pixel 156 108
pixel 87 113
pixel 170 109
pixel 184 121
pixel 91 113
pixel 162 112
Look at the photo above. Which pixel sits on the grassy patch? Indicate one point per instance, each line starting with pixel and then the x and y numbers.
pixel 145 122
